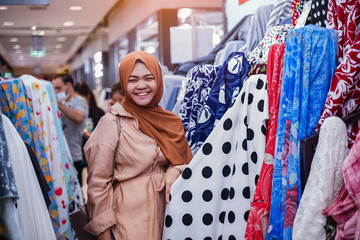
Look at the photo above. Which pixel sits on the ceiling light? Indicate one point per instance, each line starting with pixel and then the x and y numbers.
pixel 8 23
pixel 18 51
pixel 13 39
pixel 76 8
pixel 33 28
pixel 61 39
pixel 58 46
pixel 3 8
pixel 68 24
pixel 38 33
pixel 17 46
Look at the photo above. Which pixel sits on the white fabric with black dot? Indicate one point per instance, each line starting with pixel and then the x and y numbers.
pixel 212 197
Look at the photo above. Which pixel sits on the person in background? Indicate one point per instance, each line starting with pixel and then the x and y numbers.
pixel 116 96
pixel 152 153
pixel 74 112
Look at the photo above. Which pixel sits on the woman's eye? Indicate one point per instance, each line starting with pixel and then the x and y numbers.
pixel 132 80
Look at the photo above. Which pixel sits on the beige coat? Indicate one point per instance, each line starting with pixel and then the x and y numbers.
pixel 131 207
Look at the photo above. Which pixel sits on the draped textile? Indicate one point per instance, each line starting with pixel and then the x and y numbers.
pixel 276 35
pixel 44 118
pixel 15 105
pixel 345 209
pixel 344 94
pixel 296 9
pixel 212 197
pixel 324 182
pixel 258 69
pixel 260 206
pixel 34 220
pixel 318 13
pixel 282 9
pixel 226 87
pixel 200 81
pixel 309 64
pixel 7 180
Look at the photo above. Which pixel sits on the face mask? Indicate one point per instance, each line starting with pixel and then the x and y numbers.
pixel 62 96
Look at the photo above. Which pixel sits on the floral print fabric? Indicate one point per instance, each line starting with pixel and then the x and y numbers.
pixel 15 105
pixel 260 206
pixel 344 95
pixel 303 94
pixel 222 95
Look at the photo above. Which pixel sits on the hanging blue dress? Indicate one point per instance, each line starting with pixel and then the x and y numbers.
pixel 226 87
pixel 310 59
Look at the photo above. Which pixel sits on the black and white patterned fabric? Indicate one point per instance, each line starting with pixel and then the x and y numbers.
pixel 318 12
pixel 211 199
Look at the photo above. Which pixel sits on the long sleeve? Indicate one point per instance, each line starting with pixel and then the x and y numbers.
pixel 99 151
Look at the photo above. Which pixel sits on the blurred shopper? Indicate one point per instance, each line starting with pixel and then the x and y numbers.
pixel 116 96
pixel 152 153
pixel 74 112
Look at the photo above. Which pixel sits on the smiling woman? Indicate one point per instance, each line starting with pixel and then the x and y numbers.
pixel 152 153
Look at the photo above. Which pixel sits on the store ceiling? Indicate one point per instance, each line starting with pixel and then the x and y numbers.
pixel 61 39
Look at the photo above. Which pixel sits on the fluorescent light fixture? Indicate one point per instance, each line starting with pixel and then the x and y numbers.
pixel 8 24
pixel 3 8
pixel 17 46
pixel 150 50
pixel 75 8
pixel 98 57
pixel 184 13
pixel 13 39
pixel 33 28
pixel 61 39
pixel 58 46
pixel 68 23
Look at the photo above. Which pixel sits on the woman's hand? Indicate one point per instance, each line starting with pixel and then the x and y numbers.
pixel 170 176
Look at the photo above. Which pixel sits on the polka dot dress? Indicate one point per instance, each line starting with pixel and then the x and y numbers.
pixel 212 197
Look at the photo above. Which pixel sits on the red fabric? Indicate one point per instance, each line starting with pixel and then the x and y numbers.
pixel 295 11
pixel 260 207
pixel 344 94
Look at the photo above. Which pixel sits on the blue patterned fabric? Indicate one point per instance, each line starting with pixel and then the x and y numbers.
pixel 7 180
pixel 226 87
pixel 310 61
pixel 200 80
pixel 15 105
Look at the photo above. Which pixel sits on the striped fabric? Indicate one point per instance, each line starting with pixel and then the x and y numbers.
pixel 281 10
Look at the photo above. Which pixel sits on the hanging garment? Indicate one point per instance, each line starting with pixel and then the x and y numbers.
pixel 345 209
pixel 170 82
pixel 72 182
pixel 257 28
pixel 281 10
pixel 212 197
pixel 296 9
pixel 10 220
pixel 258 69
pixel 32 212
pixel 344 95
pixel 230 47
pixel 222 95
pixel 200 81
pixel 260 206
pixel 324 182
pixel 318 12
pixel 276 35
pixel 15 105
pixel 310 51
pixel 7 180
pixel 44 118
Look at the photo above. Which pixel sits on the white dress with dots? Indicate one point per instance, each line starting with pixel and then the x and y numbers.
pixel 212 198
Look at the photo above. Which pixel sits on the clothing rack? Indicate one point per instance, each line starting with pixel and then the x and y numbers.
pixel 308 147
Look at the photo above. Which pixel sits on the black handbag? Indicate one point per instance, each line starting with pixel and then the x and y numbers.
pixel 80 218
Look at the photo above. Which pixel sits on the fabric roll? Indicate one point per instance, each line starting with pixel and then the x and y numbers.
pixel 257 28
pixel 311 51
pixel 324 182
pixel 222 95
pixel 32 212
pixel 276 35
pixel 211 199
pixel 282 10
pixel 15 105
pixel 260 206
pixel 344 94
pixel 200 81
pixel 44 118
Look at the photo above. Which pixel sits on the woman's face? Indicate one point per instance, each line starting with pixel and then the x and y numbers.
pixel 142 85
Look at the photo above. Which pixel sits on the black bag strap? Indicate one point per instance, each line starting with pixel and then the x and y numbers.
pixel 116 148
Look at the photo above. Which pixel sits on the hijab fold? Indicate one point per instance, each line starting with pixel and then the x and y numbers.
pixel 163 126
